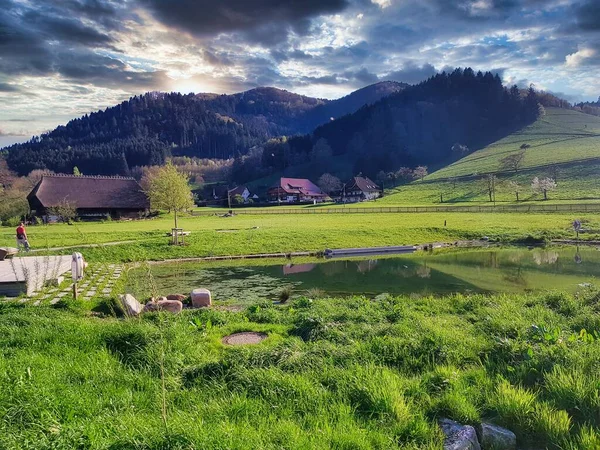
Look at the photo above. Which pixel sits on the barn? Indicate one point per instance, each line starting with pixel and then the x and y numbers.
pixel 92 196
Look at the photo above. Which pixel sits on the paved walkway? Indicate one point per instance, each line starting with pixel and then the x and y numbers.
pixel 98 282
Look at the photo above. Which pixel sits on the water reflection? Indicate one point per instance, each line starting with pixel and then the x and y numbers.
pixel 437 273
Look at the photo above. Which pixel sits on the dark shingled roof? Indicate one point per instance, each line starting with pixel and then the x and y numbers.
pixel 90 192
pixel 363 184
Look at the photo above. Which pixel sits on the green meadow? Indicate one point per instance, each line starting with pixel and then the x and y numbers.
pixel 562 144
pixel 347 373
pixel 247 234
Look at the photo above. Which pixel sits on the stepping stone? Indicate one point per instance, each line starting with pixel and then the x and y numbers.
pixel 62 294
pixel 106 291
pixel 45 296
pixel 23 300
pixel 37 303
pixel 54 301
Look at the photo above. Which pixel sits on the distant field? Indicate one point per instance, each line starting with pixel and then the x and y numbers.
pixel 245 234
pixel 569 140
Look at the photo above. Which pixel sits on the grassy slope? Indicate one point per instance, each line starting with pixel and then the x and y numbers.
pixel 286 233
pixel 563 137
pixel 349 373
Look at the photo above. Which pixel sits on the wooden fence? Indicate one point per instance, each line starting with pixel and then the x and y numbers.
pixel 574 207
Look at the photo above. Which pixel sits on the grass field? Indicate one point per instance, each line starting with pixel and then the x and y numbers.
pixel 333 373
pixel 567 139
pixel 243 234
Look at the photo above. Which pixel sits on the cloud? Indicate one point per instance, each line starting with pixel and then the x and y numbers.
pixel 412 73
pixel 580 57
pixel 588 16
pixel 263 20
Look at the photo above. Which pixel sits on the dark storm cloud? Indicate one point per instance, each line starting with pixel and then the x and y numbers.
pixel 412 73
pixel 588 16
pixel 262 20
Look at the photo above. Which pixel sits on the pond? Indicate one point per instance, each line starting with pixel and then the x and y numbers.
pixel 514 270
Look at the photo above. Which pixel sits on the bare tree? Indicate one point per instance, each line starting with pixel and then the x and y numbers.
pixel 491 181
pixel 404 174
pixel 329 183
pixel 420 172
pixel 543 186
pixel 513 162
pixel 515 187
pixel 553 171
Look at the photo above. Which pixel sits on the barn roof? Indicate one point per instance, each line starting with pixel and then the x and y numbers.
pixel 299 186
pixel 364 184
pixel 90 192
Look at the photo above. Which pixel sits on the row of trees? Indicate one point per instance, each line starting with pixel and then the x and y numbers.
pixel 538 186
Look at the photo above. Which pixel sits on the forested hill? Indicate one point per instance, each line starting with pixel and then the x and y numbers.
pixel 431 123
pixel 146 129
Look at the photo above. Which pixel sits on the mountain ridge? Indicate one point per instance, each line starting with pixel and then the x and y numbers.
pixel 146 129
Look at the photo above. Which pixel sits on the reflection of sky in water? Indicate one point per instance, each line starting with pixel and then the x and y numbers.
pixel 500 270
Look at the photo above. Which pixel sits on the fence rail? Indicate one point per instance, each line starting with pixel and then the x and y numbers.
pixel 575 207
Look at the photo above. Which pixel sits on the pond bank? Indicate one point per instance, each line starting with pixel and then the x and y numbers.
pixel 372 251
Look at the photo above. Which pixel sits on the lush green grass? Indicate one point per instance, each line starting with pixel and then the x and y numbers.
pixel 245 234
pixel 333 373
pixel 568 139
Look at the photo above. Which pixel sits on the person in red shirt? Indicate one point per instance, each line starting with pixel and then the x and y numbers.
pixel 22 237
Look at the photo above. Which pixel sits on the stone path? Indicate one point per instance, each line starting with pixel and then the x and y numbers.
pixel 98 281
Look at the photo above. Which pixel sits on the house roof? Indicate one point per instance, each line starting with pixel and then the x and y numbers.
pixel 90 192
pixel 239 190
pixel 300 186
pixel 364 184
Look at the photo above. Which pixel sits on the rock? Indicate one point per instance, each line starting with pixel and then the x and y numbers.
pixel 459 437
pixel 129 305
pixel 179 297
pixel 493 437
pixel 172 306
pixel 201 298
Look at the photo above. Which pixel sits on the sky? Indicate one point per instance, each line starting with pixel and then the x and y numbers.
pixel 60 59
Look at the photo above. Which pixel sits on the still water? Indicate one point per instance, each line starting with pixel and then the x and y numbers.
pixel 513 270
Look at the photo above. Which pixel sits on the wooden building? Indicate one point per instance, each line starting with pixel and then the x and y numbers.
pixel 359 189
pixel 91 196
pixel 296 190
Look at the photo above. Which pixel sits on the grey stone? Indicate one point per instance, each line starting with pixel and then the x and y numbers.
pixel 459 437
pixel 493 437
pixel 129 305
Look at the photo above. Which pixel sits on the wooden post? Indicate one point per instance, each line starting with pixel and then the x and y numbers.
pixel 75 290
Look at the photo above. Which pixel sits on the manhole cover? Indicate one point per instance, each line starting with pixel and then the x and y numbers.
pixel 245 338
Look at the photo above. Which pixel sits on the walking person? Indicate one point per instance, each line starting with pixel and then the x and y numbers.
pixel 22 237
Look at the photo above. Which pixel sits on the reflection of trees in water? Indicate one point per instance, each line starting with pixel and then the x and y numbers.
pixel 545 257
pixel 493 260
pixel 366 265
pixel 515 276
pixel 423 272
pixel 333 268
pixel 515 257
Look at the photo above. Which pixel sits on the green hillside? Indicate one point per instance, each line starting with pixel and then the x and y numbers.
pixel 562 144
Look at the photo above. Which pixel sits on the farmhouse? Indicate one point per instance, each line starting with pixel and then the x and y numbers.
pixel 359 189
pixel 295 190
pixel 243 192
pixel 91 196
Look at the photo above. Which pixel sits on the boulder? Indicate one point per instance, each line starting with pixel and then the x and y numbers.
pixel 201 298
pixel 172 306
pixel 459 437
pixel 129 305
pixel 493 437
pixel 179 297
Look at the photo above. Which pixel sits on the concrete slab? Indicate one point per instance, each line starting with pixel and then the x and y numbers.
pixel 28 274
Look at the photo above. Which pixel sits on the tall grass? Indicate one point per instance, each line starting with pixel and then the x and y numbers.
pixel 333 373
